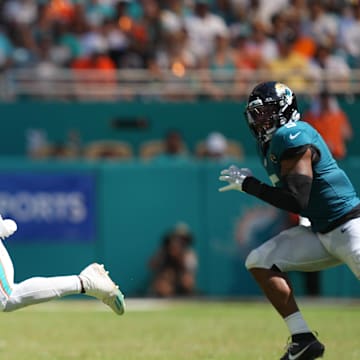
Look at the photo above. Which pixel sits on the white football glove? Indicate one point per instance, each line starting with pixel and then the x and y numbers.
pixel 235 177
pixel 7 227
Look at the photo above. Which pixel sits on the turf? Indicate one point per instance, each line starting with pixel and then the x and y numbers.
pixel 170 331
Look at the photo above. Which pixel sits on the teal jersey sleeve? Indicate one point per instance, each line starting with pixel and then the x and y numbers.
pixel 332 193
pixel 291 135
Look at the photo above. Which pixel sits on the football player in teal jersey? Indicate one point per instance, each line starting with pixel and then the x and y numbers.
pixel 306 180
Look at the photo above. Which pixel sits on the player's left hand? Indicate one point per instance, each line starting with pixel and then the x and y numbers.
pixel 235 177
pixel 7 227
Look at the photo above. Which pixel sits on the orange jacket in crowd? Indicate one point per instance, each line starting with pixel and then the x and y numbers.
pixel 334 127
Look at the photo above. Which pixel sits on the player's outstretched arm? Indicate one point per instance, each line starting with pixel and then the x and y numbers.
pixel 293 196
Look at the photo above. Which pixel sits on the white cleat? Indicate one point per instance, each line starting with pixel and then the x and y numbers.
pixel 97 283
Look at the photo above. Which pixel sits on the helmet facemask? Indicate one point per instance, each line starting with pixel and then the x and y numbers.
pixel 263 120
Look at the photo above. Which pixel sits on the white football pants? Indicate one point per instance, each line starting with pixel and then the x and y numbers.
pixel 31 291
pixel 300 249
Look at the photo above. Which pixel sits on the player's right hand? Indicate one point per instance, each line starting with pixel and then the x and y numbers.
pixel 7 227
pixel 235 177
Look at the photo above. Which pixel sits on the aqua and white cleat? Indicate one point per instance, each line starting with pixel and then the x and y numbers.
pixel 97 283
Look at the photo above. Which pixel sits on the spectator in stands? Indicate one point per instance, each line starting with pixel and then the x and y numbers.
pixel 68 41
pixel 267 9
pixel 172 17
pixel 222 59
pixel 21 13
pixel 298 9
pixel 174 265
pixel 331 122
pixel 60 10
pixel 175 54
pixel 97 12
pixel 247 57
pixel 147 33
pixel 218 148
pixel 92 40
pixel 290 67
pixel 329 69
pixel 203 27
pixel 241 24
pixel 37 143
pixel 225 9
pixel 174 144
pixel 171 149
pixel 118 42
pixel 321 25
pixel 100 84
pixel 119 31
pixel 350 36
pixel 46 68
pixel 279 25
pixel 253 49
pixel 264 44
pixel 303 43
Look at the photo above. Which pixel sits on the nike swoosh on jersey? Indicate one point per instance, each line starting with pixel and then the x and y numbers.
pixel 296 356
pixel 294 136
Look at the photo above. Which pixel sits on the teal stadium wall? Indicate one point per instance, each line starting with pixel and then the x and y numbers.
pixel 95 121
pixel 137 202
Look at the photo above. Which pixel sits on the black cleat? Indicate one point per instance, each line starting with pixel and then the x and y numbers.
pixel 304 350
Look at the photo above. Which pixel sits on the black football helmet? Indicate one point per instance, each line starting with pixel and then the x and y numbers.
pixel 270 105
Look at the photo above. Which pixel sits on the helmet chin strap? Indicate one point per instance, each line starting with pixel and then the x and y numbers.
pixel 267 135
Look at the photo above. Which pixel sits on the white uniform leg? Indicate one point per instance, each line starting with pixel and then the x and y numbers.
pixel 295 249
pixel 344 243
pixel 31 291
pixel 40 289
pixel 6 276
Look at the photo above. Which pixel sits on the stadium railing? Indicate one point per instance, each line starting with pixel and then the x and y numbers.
pixel 130 84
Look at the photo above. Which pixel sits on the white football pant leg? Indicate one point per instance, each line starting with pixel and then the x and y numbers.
pixel 6 276
pixel 40 289
pixel 295 249
pixel 344 243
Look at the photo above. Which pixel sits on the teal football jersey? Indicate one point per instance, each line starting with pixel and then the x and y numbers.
pixel 332 193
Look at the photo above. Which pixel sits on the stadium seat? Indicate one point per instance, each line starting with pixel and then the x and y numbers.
pixel 152 148
pixel 108 149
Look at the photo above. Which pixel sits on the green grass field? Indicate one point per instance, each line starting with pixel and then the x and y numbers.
pixel 170 331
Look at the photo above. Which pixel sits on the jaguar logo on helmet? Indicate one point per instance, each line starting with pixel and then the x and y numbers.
pixel 284 92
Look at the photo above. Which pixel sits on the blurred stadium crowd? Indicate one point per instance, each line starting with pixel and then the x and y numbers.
pixel 292 36
pixel 171 148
